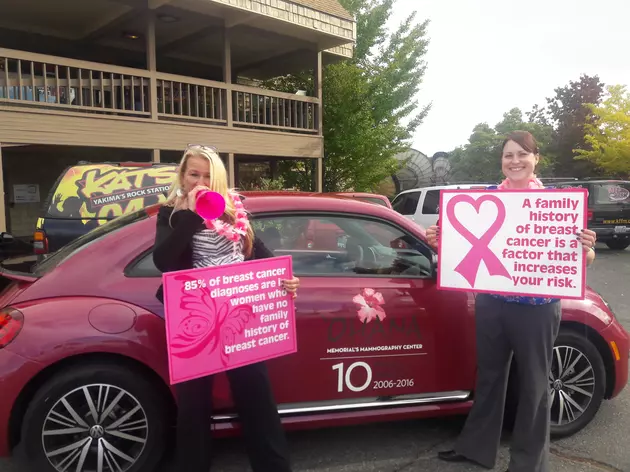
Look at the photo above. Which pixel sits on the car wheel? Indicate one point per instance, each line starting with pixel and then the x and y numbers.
pixel 618 244
pixel 577 381
pixel 97 418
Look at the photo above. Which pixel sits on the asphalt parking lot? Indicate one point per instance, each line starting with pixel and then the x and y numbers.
pixel 412 446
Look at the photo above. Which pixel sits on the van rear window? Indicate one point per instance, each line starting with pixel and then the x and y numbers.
pixel 406 203
pixel 611 193
pixel 105 191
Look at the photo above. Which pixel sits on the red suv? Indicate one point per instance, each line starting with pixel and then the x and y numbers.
pixel 83 369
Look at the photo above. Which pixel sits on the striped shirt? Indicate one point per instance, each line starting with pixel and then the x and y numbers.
pixel 210 249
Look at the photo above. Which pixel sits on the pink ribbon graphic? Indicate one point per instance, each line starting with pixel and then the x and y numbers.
pixel 469 266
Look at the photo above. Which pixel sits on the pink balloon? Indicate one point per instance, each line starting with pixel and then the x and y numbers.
pixel 209 205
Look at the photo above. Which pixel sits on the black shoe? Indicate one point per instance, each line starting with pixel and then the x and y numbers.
pixel 452 456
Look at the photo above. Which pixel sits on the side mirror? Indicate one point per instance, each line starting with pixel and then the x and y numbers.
pixel 6 237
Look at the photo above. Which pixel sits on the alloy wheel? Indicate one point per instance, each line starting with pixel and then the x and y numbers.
pixel 571 385
pixel 95 428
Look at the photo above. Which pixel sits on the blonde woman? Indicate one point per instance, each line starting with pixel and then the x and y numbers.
pixel 184 242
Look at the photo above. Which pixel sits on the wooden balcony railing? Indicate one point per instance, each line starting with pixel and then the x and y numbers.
pixel 62 85
pixel 269 109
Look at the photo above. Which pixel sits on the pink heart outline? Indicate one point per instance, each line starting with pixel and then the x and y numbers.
pixel 469 265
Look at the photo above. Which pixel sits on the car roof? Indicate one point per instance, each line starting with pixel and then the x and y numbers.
pixel 359 194
pixel 444 187
pixel 597 181
pixel 303 201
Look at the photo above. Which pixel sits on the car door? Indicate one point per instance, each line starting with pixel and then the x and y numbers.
pixel 370 320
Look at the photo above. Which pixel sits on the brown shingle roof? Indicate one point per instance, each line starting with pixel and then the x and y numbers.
pixel 332 7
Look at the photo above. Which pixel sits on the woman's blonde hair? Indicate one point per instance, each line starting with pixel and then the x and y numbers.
pixel 218 182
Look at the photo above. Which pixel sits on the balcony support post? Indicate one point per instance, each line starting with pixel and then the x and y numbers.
pixel 317 82
pixel 227 73
pixel 152 64
pixel 3 215
pixel 319 120
pixel 231 170
pixel 319 172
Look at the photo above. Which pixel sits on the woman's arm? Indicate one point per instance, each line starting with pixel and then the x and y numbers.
pixel 172 243
pixel 590 257
pixel 588 238
pixel 260 251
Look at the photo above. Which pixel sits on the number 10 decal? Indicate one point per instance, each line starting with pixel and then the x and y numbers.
pixel 348 382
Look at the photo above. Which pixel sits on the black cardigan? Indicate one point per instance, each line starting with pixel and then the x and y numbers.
pixel 173 242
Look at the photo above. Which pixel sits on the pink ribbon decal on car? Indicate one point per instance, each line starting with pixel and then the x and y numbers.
pixel 469 266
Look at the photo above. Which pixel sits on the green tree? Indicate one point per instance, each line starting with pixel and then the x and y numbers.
pixel 479 160
pixel 370 109
pixel 608 136
pixel 569 113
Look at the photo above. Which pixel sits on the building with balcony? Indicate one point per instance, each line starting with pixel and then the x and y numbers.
pixel 138 80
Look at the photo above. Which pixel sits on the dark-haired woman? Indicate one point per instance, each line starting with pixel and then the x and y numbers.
pixel 525 327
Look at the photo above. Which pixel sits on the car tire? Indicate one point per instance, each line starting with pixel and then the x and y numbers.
pixel 568 343
pixel 115 392
pixel 618 245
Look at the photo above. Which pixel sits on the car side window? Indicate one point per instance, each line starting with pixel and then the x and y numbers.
pixel 407 203
pixel 143 267
pixel 431 203
pixel 345 245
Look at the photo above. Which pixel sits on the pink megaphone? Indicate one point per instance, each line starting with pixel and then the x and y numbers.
pixel 209 205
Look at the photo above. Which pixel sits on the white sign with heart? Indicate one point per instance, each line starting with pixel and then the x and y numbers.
pixel 513 242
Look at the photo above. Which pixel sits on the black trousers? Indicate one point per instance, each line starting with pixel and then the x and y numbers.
pixel 528 332
pixel 263 432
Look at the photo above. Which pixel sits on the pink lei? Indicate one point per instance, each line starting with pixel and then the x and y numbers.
pixel 534 183
pixel 238 229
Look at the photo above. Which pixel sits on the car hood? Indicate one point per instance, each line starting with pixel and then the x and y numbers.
pixel 593 304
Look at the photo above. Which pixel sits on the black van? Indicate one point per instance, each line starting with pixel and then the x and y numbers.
pixel 88 195
pixel 608 209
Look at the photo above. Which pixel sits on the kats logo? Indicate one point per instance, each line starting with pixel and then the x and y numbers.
pixel 104 192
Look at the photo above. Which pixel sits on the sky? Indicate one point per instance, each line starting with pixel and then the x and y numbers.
pixel 488 56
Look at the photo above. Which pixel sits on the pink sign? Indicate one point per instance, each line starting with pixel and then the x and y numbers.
pixel 513 242
pixel 225 317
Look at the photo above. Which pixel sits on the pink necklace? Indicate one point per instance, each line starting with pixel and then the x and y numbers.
pixel 238 229
pixel 532 184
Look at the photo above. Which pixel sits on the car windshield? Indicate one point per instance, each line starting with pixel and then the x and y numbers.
pixel 611 193
pixel 85 240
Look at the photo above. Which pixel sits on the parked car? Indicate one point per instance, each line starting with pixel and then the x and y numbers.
pixel 368 197
pixel 608 209
pixel 421 205
pixel 83 367
pixel 88 195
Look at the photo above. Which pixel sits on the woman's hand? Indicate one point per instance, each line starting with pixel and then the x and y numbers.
pixel 188 201
pixel 587 237
pixel 291 285
pixel 433 233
